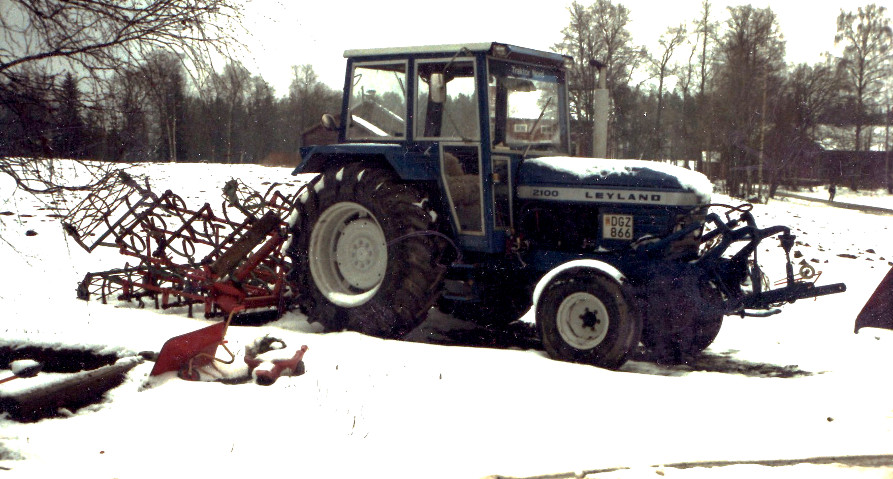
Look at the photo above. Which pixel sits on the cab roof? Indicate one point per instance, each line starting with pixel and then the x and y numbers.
pixel 504 50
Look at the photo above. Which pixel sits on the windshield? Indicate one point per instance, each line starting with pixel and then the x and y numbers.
pixel 526 108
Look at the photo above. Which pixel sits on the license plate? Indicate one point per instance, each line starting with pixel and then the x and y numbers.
pixel 617 227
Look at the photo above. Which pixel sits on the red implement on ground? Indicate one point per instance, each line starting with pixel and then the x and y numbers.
pixel 189 352
pixel 229 263
pixel 266 373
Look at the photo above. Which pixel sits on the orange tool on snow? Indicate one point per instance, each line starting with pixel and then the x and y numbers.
pixel 266 373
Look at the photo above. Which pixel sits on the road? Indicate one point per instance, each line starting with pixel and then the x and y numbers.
pixel 839 204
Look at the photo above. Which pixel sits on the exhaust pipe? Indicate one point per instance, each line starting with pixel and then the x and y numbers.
pixel 600 112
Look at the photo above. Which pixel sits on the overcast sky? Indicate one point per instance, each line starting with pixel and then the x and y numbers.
pixel 286 33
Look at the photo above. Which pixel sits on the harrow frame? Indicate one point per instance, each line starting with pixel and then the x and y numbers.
pixel 185 257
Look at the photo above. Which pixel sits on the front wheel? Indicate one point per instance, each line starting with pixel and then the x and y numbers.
pixel 586 317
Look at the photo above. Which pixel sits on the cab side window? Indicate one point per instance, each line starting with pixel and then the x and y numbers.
pixel 378 102
pixel 446 101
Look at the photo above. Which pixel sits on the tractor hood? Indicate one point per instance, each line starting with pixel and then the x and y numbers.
pixel 595 180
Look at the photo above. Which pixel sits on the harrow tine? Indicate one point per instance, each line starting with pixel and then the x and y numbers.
pixel 109 205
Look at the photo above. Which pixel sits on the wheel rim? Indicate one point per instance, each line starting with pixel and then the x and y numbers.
pixel 348 254
pixel 583 320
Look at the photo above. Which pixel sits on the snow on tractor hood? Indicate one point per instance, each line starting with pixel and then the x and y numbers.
pixel 571 177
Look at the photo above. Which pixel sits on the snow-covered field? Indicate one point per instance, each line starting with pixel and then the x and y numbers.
pixel 878 198
pixel 796 385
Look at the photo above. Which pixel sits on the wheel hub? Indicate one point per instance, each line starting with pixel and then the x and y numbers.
pixel 582 320
pixel 590 319
pixel 348 254
pixel 361 253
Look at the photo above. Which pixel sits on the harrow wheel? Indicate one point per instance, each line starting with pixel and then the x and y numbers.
pixel 356 260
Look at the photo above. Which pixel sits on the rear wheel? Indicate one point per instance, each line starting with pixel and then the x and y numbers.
pixel 360 255
pixel 586 317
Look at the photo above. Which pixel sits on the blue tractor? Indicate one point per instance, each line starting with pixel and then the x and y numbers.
pixel 452 184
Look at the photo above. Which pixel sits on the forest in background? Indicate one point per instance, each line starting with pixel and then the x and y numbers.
pixel 717 92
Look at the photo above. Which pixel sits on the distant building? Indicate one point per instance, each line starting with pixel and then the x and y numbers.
pixel 837 162
pixel 320 135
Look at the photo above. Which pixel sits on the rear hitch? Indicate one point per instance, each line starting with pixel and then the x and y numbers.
pixel 790 293
pixel 727 233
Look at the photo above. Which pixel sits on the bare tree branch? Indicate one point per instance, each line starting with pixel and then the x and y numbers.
pixel 96 36
pixel 39 39
pixel 868 48
pixel 40 176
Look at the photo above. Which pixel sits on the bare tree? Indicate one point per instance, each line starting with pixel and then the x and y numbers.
pixel 809 94
pixel 163 85
pixel 26 106
pixel 309 99
pixel 262 117
pixel 159 91
pixel 674 37
pixel 126 111
pixel 579 42
pixel 231 89
pixel 706 30
pixel 71 135
pixel 92 39
pixel 866 36
pixel 812 91
pixel 751 62
pixel 94 36
pixel 599 32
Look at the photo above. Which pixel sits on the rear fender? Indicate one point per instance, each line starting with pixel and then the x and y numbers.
pixel 408 166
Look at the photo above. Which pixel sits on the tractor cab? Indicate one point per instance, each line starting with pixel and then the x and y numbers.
pixel 463 116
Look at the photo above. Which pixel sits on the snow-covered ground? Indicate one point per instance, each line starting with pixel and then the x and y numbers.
pixel 796 385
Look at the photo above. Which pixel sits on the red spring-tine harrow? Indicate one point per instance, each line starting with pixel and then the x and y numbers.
pixel 182 257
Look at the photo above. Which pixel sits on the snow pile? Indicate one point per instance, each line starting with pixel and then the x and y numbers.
pixel 796 385
pixel 24 368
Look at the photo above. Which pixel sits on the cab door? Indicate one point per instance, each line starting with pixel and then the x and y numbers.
pixel 447 116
